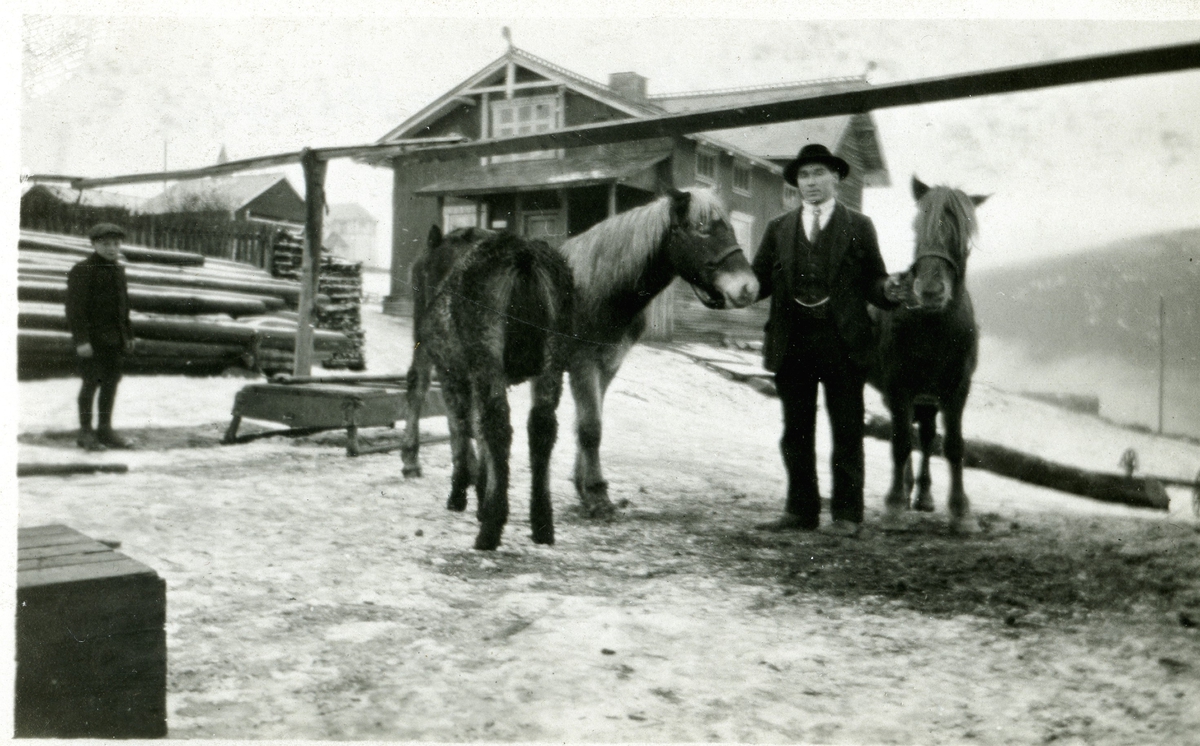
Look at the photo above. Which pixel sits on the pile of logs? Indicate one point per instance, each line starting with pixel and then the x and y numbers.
pixel 341 283
pixel 191 314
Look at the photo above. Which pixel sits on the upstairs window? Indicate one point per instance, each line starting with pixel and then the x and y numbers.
pixel 524 116
pixel 741 178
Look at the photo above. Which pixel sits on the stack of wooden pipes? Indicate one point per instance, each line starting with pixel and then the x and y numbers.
pixel 191 314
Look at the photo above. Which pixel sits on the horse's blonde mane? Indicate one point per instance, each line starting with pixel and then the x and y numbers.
pixel 614 253
pixel 935 203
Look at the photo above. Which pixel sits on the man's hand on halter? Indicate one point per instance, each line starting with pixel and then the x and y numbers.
pixel 895 288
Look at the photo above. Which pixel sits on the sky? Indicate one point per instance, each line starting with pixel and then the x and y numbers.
pixel 127 88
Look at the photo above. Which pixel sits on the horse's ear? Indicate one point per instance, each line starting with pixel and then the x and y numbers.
pixel 919 188
pixel 680 202
pixel 979 199
pixel 435 236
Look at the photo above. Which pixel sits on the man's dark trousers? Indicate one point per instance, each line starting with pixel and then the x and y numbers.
pixel 102 372
pixel 817 354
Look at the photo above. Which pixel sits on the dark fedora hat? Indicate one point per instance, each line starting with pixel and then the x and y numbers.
pixel 103 230
pixel 815 153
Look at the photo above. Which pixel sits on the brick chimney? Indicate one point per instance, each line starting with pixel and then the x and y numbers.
pixel 630 86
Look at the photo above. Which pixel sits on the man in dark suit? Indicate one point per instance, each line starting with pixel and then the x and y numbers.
pixel 98 316
pixel 820 265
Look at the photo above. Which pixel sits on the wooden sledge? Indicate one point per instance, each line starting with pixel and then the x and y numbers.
pixel 310 404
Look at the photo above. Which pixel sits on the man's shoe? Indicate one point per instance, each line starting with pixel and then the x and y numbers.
pixel 843 528
pixel 788 522
pixel 110 439
pixel 88 441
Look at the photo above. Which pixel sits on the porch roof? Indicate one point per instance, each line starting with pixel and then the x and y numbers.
pixel 574 169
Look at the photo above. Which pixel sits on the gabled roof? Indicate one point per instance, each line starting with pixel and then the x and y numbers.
pixel 224 192
pixel 350 212
pixel 763 144
pixel 412 126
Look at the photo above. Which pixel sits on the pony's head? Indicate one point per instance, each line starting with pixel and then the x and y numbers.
pixel 705 252
pixel 944 226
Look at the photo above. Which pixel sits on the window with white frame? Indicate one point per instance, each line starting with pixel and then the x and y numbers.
pixel 791 196
pixel 524 116
pixel 706 167
pixel 743 230
pixel 459 216
pixel 741 178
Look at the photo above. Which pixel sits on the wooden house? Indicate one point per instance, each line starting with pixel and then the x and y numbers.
pixel 554 194
pixel 266 198
pixel 350 233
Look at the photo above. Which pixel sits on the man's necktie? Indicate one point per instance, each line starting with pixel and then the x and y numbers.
pixel 816 225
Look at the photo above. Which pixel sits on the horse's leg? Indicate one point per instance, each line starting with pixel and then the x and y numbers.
pixel 926 415
pixel 896 502
pixel 495 438
pixel 587 390
pixel 543 430
pixel 961 520
pixel 457 392
pixel 417 386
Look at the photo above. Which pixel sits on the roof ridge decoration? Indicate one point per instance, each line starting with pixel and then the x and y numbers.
pixel 518 52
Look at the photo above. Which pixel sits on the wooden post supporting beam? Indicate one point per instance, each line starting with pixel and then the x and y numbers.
pixel 314 203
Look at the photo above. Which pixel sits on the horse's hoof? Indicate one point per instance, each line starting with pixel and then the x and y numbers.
pixel 965 525
pixel 457 503
pixel 543 537
pixel 923 503
pixel 487 541
pixel 599 508
pixel 411 472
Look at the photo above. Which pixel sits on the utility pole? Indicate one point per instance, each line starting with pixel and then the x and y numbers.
pixel 1162 357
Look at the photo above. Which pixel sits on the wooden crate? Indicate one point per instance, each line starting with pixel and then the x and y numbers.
pixel 91 640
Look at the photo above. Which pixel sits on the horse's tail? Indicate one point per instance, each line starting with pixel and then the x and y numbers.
pixel 536 308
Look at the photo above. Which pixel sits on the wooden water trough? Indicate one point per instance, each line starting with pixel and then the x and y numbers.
pixel 312 404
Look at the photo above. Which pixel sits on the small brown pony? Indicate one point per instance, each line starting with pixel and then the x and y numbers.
pixel 927 351
pixel 491 310
pixel 617 267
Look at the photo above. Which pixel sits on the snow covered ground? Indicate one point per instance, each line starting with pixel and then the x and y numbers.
pixel 312 595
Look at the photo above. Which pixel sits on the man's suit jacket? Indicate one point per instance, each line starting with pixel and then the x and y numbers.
pixel 856 276
pixel 98 304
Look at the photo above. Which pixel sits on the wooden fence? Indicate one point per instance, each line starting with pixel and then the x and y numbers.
pixel 210 233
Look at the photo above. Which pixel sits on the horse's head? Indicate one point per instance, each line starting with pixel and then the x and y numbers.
pixel 705 252
pixel 945 225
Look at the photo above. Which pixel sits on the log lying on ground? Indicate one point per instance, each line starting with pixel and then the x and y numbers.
pixel 58 470
pixel 287 294
pixel 156 300
pixel 270 331
pixel 82 247
pixel 1113 488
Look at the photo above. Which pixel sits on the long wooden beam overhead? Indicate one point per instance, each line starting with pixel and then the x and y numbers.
pixel 928 90
pixel 391 149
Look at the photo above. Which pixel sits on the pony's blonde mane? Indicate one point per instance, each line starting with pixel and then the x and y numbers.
pixel 614 253
pixel 939 200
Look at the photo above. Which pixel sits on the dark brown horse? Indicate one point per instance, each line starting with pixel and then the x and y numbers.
pixel 617 267
pixel 928 349
pixel 491 310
